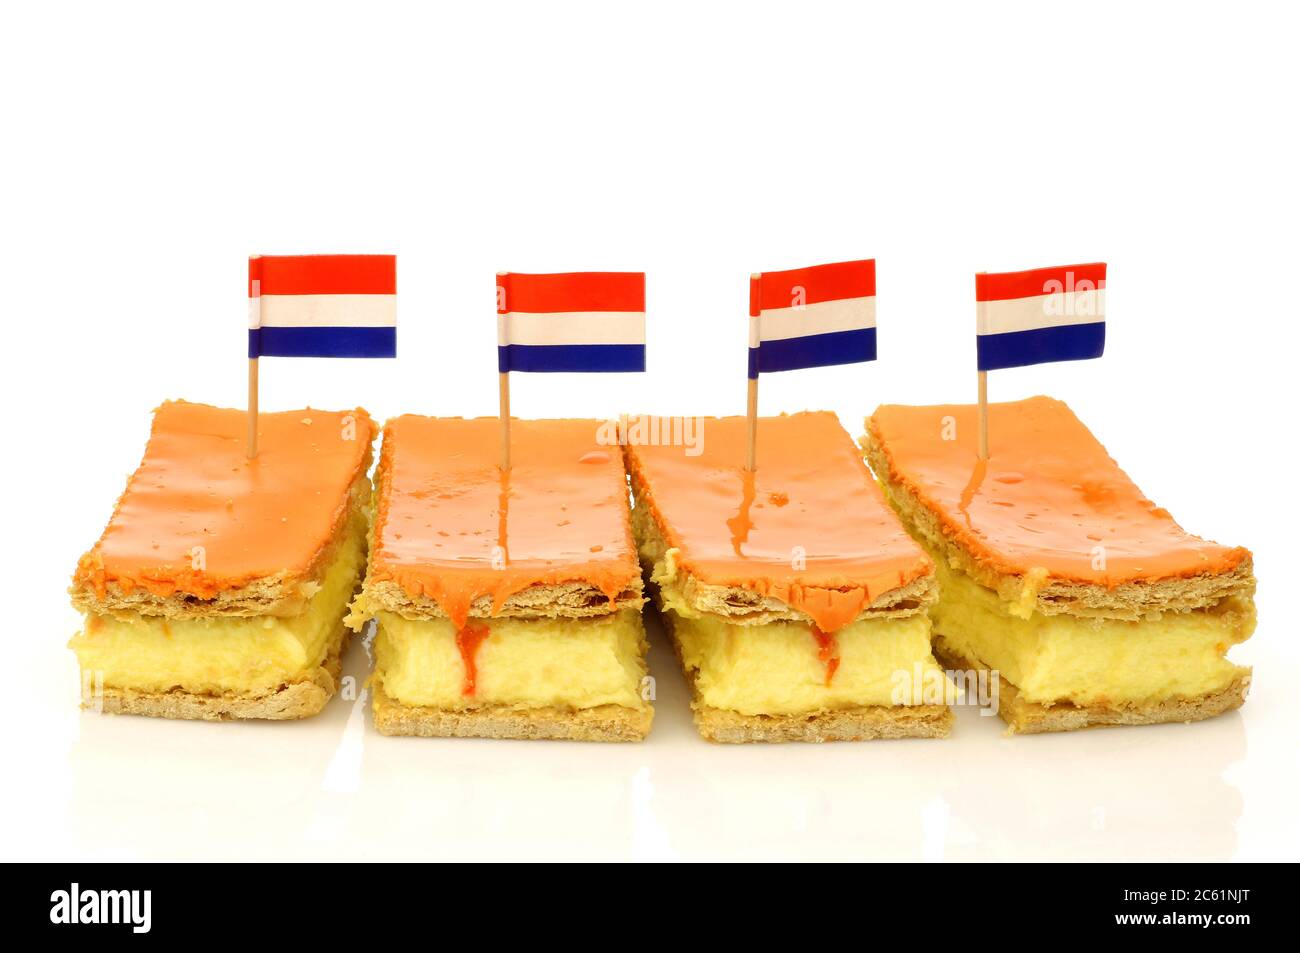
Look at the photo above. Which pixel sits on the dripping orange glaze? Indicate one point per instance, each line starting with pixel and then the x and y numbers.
pixel 809 526
pixel 1046 498
pixel 252 518
pixel 468 639
pixel 828 651
pixel 450 526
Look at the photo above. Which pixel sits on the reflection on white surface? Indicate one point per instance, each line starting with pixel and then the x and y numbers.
pixel 331 787
pixel 934 829
pixel 1153 793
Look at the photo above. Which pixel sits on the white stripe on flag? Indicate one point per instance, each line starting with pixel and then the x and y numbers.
pixel 325 311
pixel 1041 311
pixel 822 317
pixel 571 327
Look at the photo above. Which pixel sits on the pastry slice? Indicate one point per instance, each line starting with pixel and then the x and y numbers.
pixel 794 597
pixel 1056 572
pixel 508 603
pixel 220 586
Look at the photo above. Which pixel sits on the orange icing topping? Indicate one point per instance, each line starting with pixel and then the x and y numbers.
pixel 452 527
pixel 198 517
pixel 809 526
pixel 1049 497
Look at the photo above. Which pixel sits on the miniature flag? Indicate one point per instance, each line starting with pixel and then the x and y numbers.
pixel 322 306
pixel 581 321
pixel 1034 317
pixel 812 317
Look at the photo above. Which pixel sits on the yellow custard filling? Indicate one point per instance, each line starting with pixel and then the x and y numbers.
pixel 522 663
pixel 781 668
pixel 1092 661
pixel 224 655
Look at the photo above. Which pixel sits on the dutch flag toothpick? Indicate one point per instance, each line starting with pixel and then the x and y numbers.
pixel 808 317
pixel 318 306
pixel 1036 317
pixel 322 306
pixel 581 321
pixel 587 321
pixel 812 317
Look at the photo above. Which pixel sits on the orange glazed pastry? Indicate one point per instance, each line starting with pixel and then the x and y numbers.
pixel 508 604
pixel 1057 573
pixel 219 588
pixel 795 599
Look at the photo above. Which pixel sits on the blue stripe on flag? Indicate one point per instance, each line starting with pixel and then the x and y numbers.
pixel 322 342
pixel 814 350
pixel 579 358
pixel 1069 342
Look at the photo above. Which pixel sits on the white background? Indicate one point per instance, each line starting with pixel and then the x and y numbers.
pixel 149 148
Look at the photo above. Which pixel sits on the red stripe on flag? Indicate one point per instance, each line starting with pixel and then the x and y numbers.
pixel 834 282
pixel 1007 285
pixel 324 274
pixel 571 291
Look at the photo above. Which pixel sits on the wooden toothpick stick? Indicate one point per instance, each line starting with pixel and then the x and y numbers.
pixel 751 454
pixel 984 415
pixel 252 407
pixel 505 419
